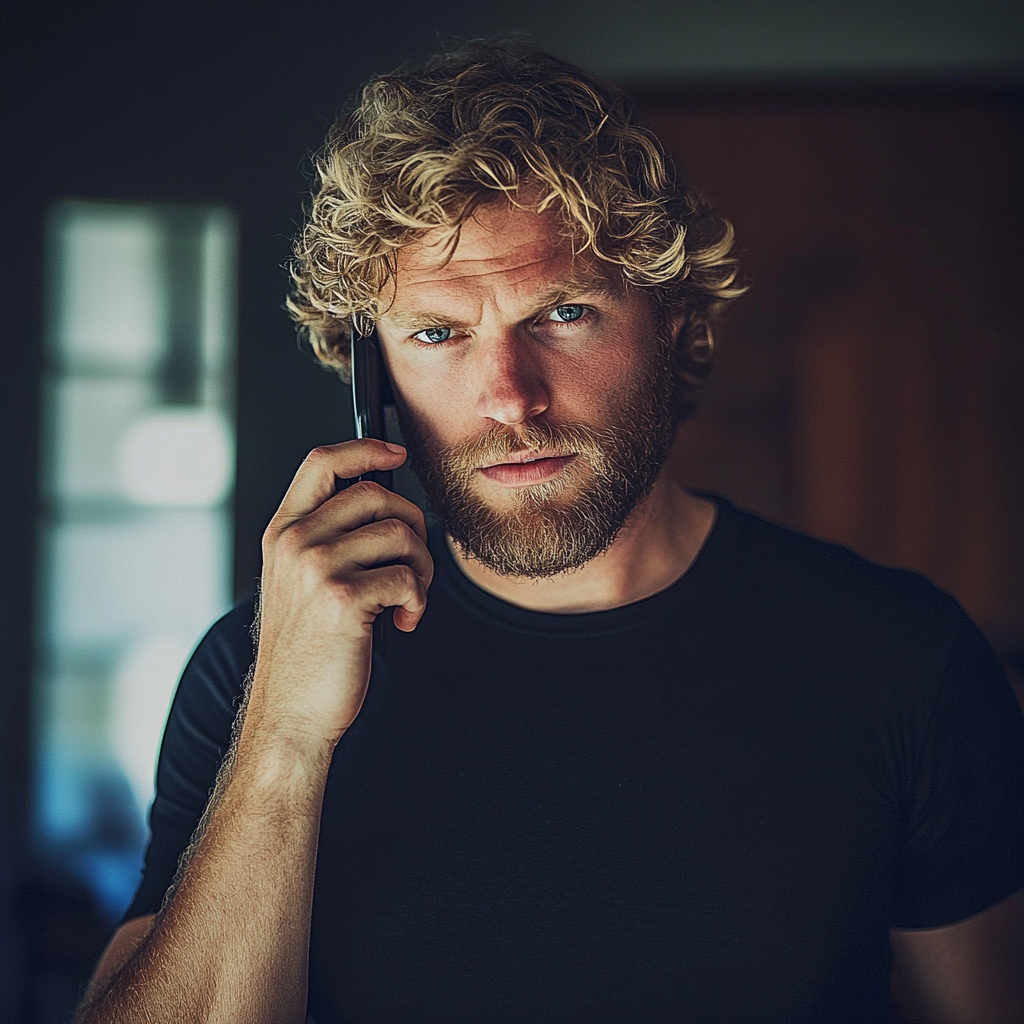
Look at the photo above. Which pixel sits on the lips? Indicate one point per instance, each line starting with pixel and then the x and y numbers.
pixel 525 468
pixel 526 455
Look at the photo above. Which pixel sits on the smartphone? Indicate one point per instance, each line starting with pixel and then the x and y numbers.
pixel 371 392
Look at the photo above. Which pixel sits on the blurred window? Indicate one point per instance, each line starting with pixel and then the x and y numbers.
pixel 136 531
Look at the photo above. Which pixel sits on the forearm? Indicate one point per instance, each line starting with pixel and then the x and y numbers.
pixel 233 942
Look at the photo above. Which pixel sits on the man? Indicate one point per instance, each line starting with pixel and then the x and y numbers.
pixel 638 756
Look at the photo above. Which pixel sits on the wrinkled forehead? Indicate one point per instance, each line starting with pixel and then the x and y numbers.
pixel 501 245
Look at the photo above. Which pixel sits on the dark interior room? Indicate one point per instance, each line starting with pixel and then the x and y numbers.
pixel 868 388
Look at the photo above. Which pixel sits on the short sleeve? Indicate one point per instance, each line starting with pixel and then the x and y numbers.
pixel 196 738
pixel 964 842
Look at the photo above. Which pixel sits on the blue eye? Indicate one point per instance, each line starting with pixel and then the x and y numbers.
pixel 434 335
pixel 567 314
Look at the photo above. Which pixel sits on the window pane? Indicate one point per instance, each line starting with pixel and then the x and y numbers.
pixel 136 538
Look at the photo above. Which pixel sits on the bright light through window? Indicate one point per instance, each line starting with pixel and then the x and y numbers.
pixel 135 540
pixel 177 457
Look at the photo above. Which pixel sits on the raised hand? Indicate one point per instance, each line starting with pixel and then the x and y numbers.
pixel 333 561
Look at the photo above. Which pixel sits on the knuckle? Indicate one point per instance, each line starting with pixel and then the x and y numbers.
pixel 344 590
pixel 416 598
pixel 365 490
pixel 318 454
pixel 277 536
pixel 269 538
pixel 408 578
pixel 428 572
pixel 395 530
pixel 291 542
pixel 319 557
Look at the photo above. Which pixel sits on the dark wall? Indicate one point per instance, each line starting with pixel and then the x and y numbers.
pixel 870 388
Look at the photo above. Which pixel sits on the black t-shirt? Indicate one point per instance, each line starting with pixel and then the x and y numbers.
pixel 710 805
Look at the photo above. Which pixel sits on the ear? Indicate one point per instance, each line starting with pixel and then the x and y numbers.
pixel 696 351
pixel 676 321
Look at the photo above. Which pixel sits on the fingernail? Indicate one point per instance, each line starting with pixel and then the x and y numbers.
pixel 395 447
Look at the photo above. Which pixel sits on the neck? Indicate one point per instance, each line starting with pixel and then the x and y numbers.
pixel 658 543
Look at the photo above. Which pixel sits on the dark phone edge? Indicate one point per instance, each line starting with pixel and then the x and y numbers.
pixel 368 376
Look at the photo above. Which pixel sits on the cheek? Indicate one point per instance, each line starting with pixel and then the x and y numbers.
pixel 592 384
pixel 432 399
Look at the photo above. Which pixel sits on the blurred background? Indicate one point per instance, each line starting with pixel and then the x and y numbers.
pixel 153 404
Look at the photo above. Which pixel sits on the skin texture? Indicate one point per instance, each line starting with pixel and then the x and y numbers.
pixel 232 944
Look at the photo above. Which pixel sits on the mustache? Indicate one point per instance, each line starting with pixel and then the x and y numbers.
pixel 461 460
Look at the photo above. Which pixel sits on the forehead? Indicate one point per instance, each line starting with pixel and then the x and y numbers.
pixel 501 246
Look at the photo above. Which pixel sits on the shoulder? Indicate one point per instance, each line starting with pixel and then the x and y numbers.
pixel 196 738
pixel 213 682
pixel 230 641
pixel 797 564
pixel 812 587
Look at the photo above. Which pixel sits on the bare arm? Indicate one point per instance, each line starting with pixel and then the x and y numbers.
pixel 233 942
pixel 971 972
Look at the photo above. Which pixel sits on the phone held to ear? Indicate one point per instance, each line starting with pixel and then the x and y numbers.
pixel 370 393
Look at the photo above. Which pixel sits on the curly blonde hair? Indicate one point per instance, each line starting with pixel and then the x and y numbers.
pixel 426 146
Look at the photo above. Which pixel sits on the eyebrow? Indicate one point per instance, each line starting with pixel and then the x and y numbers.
pixel 561 295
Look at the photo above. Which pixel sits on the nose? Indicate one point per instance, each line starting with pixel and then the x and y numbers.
pixel 511 380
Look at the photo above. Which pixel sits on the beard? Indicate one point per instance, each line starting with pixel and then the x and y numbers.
pixel 558 525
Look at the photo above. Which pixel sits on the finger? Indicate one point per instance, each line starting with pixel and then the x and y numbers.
pixel 316 478
pixel 388 541
pixel 405 621
pixel 358 505
pixel 393 586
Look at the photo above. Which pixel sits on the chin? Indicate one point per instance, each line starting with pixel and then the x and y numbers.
pixel 540 531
